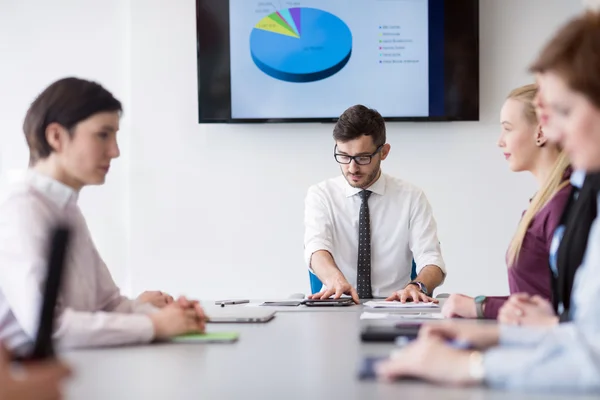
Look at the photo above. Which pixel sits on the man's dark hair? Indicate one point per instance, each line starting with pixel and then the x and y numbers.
pixel 67 102
pixel 359 120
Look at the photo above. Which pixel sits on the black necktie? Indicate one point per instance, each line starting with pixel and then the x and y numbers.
pixel 363 278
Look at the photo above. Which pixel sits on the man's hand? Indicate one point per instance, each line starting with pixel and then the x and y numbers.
pixel 523 309
pixel 479 336
pixel 336 286
pixel 156 298
pixel 428 358
pixel 411 293
pixel 459 305
pixel 38 381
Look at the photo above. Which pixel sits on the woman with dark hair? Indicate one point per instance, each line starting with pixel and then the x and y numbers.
pixel 71 130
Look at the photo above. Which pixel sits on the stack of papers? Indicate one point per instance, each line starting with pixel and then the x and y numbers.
pixel 397 304
pixel 381 315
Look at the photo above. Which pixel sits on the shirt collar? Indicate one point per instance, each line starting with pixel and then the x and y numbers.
pixel 577 178
pixel 377 187
pixel 56 191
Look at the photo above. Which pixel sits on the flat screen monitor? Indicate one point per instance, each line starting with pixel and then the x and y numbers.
pixel 309 60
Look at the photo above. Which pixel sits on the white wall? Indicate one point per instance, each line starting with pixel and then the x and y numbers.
pixel 41 41
pixel 592 4
pixel 216 211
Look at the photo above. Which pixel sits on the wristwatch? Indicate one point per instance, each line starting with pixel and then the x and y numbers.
pixel 476 367
pixel 479 302
pixel 421 286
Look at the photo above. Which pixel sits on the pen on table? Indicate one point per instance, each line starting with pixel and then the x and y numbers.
pixel 222 303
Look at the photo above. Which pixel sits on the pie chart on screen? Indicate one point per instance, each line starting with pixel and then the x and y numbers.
pixel 301 44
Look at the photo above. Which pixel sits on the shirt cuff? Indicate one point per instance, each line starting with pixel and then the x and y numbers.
pixel 145 327
pixel 511 335
pixel 312 248
pixel 430 260
pixel 88 330
pixel 501 365
pixel 144 308
pixel 493 305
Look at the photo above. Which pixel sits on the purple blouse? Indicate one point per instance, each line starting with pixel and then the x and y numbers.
pixel 531 271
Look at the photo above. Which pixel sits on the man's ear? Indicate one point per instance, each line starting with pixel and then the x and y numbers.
pixel 385 150
pixel 56 134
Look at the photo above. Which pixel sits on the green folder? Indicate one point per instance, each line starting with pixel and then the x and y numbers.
pixel 212 337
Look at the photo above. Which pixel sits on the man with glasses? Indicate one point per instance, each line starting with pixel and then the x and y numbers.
pixel 364 228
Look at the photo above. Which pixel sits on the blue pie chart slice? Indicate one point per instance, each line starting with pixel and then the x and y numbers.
pixel 321 47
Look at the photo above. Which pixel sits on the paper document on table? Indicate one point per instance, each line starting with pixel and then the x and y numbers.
pixel 397 304
pixel 380 315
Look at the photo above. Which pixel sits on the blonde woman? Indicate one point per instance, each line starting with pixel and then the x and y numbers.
pixel 526 148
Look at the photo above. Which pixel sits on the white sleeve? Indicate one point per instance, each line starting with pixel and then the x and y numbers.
pixel 423 239
pixel 76 329
pixel 109 294
pixel 515 336
pixel 119 322
pixel 24 227
pixel 567 358
pixel 317 225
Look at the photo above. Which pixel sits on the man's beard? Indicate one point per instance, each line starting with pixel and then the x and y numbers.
pixel 365 183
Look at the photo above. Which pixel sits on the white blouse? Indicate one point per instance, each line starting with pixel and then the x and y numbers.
pixel 91 311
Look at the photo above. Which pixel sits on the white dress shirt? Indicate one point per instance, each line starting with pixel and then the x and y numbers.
pixel 91 311
pixel 402 228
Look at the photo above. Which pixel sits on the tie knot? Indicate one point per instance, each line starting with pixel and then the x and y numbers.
pixel 364 194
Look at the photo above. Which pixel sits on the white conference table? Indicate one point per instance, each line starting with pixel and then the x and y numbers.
pixel 298 355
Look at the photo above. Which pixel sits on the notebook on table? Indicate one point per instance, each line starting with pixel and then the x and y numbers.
pixel 212 337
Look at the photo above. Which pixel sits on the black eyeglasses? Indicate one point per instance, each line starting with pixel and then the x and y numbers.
pixel 360 160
